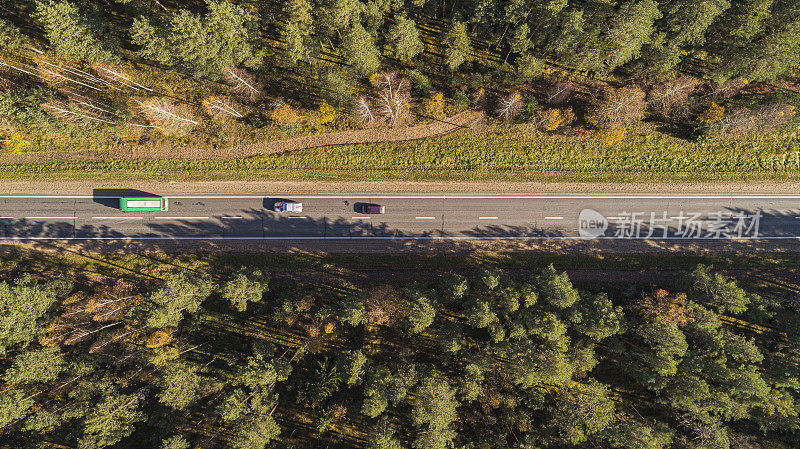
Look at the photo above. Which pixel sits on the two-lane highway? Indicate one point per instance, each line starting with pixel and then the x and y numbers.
pixel 407 217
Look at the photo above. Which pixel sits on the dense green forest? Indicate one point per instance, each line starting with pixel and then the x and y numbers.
pixel 180 354
pixel 100 74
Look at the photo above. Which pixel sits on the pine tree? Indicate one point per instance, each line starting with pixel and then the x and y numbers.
pixel 405 38
pixel 10 37
pixel 69 32
pixel 599 319
pixel 457 44
pixel 557 289
pixel 582 410
pixel 256 433
pixel 111 420
pixel 724 294
pixel 381 436
pixel 245 287
pixel 204 45
pixel 361 51
pixel 41 365
pixel 180 293
pixel 174 442
pixel 433 413
pixel 631 27
pixel 180 386
pixel 420 315
pixel 14 405
pixel 351 366
pixel 297 31
pixel 23 305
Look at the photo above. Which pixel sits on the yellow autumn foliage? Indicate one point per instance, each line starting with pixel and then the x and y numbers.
pixel 15 143
pixel 713 114
pixel 434 106
pixel 553 119
pixel 159 338
pixel 613 136
pixel 285 116
pixel 326 113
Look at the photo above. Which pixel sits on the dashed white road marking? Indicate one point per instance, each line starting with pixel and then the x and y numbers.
pixel 182 218
pixel 487 218
pixel 426 218
pixel 361 218
pixel 558 218
pixel 232 218
pixel 118 218
pixel 51 218
pixel 6 218
pixel 297 217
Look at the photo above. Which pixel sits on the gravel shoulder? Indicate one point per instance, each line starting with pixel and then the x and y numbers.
pixel 399 187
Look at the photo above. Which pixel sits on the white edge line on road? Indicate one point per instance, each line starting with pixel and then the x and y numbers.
pixel 51 218
pixel 426 218
pixel 118 218
pixel 11 218
pixel 181 218
pixel 361 218
pixel 487 218
pixel 555 218
pixel 400 238
pixel 500 196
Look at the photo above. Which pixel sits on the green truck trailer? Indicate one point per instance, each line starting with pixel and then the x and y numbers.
pixel 143 204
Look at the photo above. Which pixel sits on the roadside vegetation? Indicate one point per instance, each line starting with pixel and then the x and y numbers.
pixel 638 86
pixel 308 351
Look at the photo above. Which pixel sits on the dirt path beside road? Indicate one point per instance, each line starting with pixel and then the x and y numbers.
pixel 465 120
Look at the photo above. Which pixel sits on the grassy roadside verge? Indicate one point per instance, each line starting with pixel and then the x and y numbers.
pixel 154 264
pixel 502 153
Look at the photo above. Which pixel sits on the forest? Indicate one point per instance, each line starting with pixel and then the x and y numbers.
pixel 188 353
pixel 88 74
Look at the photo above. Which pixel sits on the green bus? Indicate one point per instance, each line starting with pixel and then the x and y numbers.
pixel 152 203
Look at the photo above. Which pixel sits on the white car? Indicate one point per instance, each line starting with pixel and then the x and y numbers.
pixel 286 206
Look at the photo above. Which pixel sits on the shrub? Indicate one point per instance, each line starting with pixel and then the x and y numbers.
pixel 529 68
pixel 671 99
pixel 613 136
pixel 434 106
pixel 460 101
pixel 326 113
pixel 15 143
pixel 559 92
pixel 509 106
pixel 553 119
pixel 712 114
pixel 617 108
pixel 285 116
pixel 336 89
pixel 420 84
pixel 166 116
pixel 744 122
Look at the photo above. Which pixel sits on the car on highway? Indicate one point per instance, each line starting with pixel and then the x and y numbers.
pixel 367 208
pixel 288 206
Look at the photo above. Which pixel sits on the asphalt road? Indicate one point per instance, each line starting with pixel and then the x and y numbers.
pixel 407 217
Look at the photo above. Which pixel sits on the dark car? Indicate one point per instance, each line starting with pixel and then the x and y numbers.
pixel 371 209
